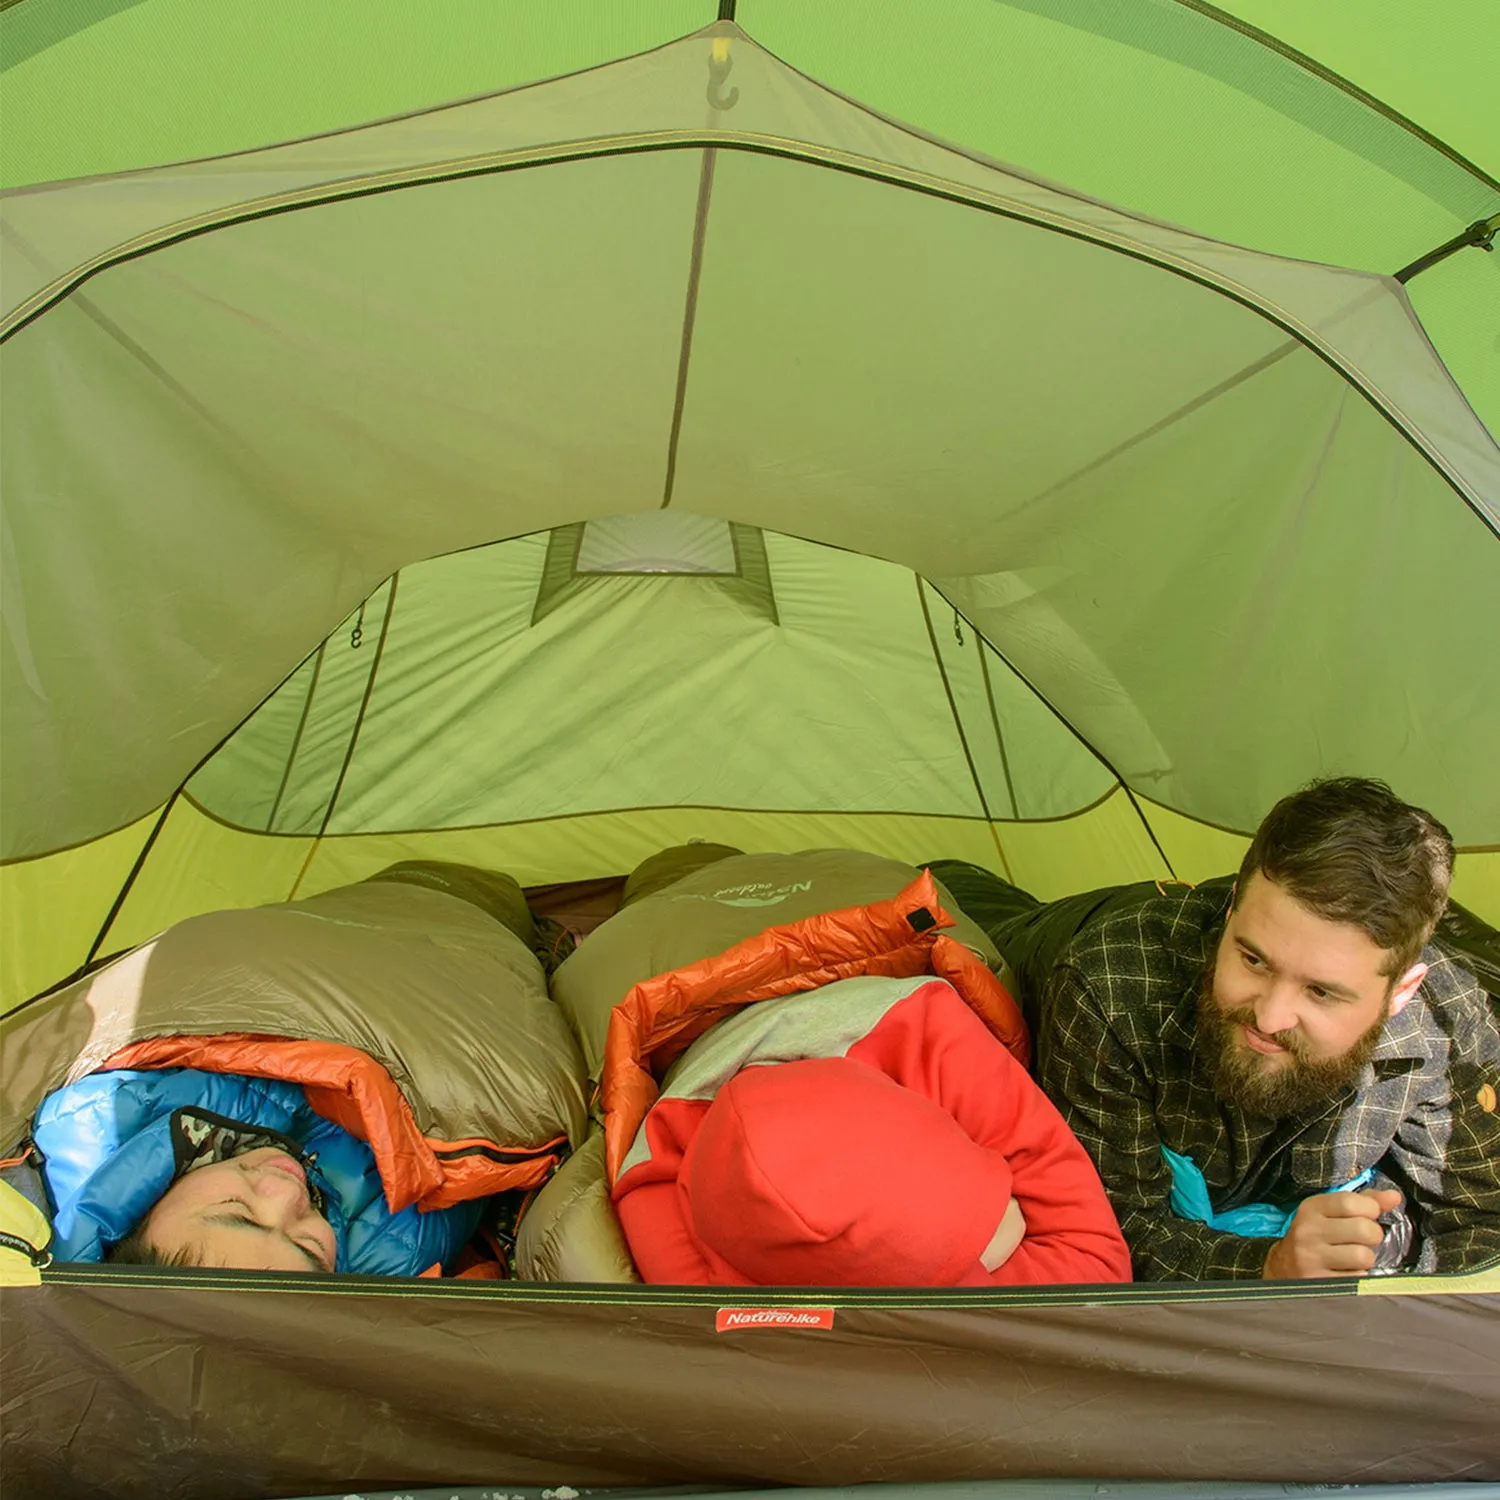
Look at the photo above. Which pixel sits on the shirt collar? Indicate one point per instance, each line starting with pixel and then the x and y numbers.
pixel 1407 1034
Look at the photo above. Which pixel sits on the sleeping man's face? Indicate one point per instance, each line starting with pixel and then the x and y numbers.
pixel 252 1211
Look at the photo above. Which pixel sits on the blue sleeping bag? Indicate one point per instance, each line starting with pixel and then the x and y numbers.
pixel 107 1144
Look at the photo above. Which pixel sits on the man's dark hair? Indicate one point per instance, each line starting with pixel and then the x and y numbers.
pixel 1352 851
pixel 136 1250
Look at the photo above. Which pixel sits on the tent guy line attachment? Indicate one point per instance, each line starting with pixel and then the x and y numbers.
pixel 1481 234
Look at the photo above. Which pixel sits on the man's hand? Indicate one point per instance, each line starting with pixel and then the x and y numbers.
pixel 1331 1234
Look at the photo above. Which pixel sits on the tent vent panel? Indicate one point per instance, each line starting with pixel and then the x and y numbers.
pixel 653 544
pixel 656 541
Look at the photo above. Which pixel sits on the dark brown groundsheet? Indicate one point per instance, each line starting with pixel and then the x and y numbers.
pixel 188 1384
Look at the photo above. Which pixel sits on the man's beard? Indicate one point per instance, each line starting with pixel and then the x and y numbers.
pixel 1258 1084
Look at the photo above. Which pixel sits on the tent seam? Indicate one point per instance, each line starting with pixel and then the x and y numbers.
pixel 668 807
pixel 989 692
pixel 689 316
pixel 963 739
pixel 296 744
pixel 942 189
pixel 359 724
pixel 1311 65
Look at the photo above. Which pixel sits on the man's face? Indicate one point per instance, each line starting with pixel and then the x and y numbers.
pixel 1295 1003
pixel 252 1211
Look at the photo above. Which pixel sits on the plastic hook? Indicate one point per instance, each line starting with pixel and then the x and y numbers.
pixel 718 72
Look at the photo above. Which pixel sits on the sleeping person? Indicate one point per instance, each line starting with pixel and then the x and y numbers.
pixel 177 1166
pixel 873 1132
pixel 336 1084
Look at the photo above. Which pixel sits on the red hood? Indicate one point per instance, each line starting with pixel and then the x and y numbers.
pixel 828 1173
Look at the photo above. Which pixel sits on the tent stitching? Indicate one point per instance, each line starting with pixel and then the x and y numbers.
pixel 359 724
pixel 958 724
pixel 980 645
pixel 689 317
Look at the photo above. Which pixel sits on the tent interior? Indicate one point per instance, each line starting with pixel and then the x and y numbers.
pixel 945 492
pixel 1035 432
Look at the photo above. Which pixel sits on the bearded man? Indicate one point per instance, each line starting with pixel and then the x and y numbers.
pixel 1279 1075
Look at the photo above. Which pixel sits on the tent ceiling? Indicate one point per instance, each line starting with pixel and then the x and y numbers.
pixel 1159 105
pixel 1150 463
pixel 1151 466
pixel 1168 107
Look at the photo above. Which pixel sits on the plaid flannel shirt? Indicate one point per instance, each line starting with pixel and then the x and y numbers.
pixel 1117 1054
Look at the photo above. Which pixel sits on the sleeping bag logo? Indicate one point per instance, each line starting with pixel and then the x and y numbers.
pixel 772 1317
pixel 757 893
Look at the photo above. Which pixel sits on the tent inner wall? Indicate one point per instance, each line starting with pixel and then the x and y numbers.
pixel 477 689
pixel 51 909
pixel 460 727
pixel 1087 536
pixel 322 361
pixel 475 708
pixel 480 709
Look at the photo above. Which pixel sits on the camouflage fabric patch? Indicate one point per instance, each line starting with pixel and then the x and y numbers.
pixel 201 1138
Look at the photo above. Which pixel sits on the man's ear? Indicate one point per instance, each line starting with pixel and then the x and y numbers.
pixel 1407 986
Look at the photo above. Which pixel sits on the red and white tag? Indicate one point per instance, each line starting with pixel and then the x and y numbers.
pixel 733 1318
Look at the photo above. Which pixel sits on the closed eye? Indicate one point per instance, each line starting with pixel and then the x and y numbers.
pixel 246 1219
pixel 314 1253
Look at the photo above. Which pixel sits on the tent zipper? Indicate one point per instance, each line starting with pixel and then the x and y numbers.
pixel 40 1258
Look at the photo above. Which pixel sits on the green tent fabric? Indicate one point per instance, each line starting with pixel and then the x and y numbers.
pixel 1188 491
pixel 1040 432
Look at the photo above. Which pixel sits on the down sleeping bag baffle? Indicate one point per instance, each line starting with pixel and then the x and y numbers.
pixel 388 1048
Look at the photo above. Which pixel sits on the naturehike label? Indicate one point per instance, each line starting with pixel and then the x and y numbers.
pixel 772 1317
pixel 757 893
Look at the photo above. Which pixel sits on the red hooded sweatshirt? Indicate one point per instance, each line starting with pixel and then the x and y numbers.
pixel 870 1133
